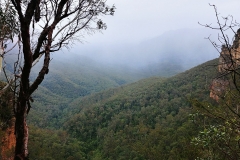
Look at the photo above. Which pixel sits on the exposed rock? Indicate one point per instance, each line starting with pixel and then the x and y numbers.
pixel 230 55
pixel 8 143
pixel 229 60
pixel 218 88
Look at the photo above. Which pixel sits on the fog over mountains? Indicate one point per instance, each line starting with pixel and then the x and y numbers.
pixel 187 47
pixel 164 55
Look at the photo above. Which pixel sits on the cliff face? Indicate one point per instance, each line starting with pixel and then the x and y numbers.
pixel 218 88
pixel 229 60
pixel 230 56
pixel 7 136
pixel 8 143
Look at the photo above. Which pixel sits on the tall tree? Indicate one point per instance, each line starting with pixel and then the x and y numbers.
pixel 47 26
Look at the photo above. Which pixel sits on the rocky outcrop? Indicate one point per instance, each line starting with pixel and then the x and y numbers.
pixel 230 55
pixel 218 88
pixel 8 143
pixel 229 60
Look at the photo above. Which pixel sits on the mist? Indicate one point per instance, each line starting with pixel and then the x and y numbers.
pixel 163 55
pixel 149 37
pixel 185 47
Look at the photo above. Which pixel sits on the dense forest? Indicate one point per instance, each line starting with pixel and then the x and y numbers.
pixel 167 117
pixel 146 119
pixel 143 92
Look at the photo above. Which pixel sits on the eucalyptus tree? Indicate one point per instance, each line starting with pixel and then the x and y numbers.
pixel 47 26
pixel 8 26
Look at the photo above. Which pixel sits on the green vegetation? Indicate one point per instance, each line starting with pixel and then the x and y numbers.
pixel 72 78
pixel 171 118
pixel 219 137
pixel 147 119
pixel 143 120
pixel 51 144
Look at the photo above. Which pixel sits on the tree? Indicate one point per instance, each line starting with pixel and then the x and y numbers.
pixel 220 135
pixel 47 26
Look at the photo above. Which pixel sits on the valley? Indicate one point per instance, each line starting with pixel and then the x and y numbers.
pixel 133 121
pixel 90 109
pixel 119 80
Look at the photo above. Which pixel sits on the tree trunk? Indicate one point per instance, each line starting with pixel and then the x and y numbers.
pixel 1 54
pixel 21 128
pixel 21 131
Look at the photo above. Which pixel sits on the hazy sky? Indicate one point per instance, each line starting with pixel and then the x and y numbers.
pixel 137 20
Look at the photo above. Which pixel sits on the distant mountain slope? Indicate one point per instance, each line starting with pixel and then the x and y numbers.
pixel 184 48
pixel 144 120
pixel 193 78
pixel 75 75
pixel 72 76
pixel 147 119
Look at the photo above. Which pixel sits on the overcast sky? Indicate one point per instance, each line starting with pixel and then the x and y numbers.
pixel 138 20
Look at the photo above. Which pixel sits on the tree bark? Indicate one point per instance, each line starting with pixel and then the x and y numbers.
pixel 23 105
pixel 21 128
pixel 1 54
pixel 21 131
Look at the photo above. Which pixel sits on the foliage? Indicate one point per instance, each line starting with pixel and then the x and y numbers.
pixel 219 138
pixel 144 120
pixel 75 77
pixel 54 144
pixel 8 22
pixel 147 119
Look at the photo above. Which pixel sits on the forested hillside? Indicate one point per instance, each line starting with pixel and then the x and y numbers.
pixel 147 119
pixel 74 75
pixel 146 86
pixel 70 78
